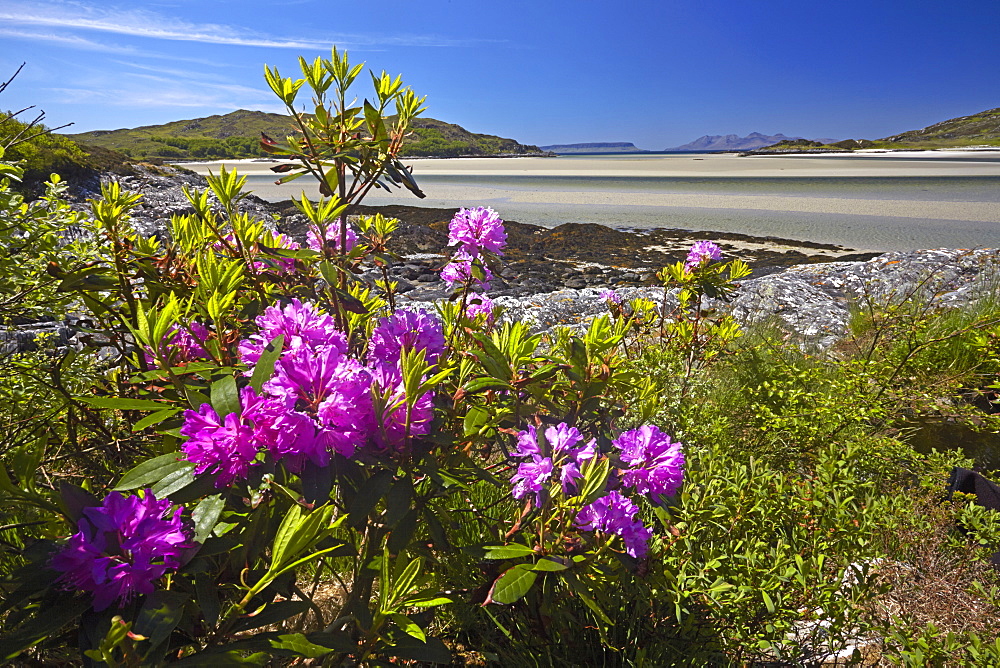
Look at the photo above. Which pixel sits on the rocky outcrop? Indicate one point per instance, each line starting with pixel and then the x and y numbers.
pixel 554 276
pixel 812 302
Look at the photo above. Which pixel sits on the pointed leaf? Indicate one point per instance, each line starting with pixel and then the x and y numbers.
pixel 513 585
pixel 153 471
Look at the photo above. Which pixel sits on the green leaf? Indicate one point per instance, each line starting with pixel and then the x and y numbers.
pixel 159 615
pixel 475 420
pixel 124 404
pixel 299 645
pixel 513 585
pixel 397 501
pixel 75 499
pixel 155 418
pixel 222 659
pixel 153 471
pixel 317 483
pixel 205 515
pixel 225 396
pixel 401 587
pixel 482 384
pixel 350 302
pixel 208 598
pixel 512 551
pixel 403 533
pixel 264 368
pixel 271 614
pixel 768 601
pixel 548 565
pixel 174 481
pixel 419 601
pixel 409 626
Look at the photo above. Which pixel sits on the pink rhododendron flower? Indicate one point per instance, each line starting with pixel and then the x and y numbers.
pixel 409 330
pixel 656 466
pixel 459 271
pixel 336 390
pixel 565 457
pixel 302 325
pixel 616 514
pixel 332 239
pixel 122 547
pixel 181 345
pixel 390 430
pixel 702 252
pixel 227 447
pixel 610 296
pixel 531 478
pixel 479 304
pixel 477 230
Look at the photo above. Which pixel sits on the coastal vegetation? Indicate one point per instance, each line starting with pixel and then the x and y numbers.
pixel 982 129
pixel 236 135
pixel 249 455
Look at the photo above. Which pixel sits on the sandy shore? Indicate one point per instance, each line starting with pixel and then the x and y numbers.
pixel 720 192
pixel 867 164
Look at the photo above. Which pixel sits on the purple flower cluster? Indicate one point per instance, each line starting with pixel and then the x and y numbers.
pixel 459 270
pixel 474 231
pixel 610 296
pixel 320 400
pixel 562 458
pixel 284 265
pixel 180 344
pixel 477 230
pixel 653 466
pixel 656 466
pixel 302 326
pixel 479 305
pixel 616 514
pixel 316 243
pixel 409 330
pixel 122 547
pixel 702 252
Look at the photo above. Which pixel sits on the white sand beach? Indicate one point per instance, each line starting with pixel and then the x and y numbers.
pixel 873 200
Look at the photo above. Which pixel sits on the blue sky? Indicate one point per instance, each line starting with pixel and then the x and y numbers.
pixel 654 72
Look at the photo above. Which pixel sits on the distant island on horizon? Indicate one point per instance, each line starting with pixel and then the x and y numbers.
pixel 704 144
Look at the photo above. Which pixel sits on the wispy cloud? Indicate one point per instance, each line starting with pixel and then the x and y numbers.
pixel 143 23
pixel 156 98
pixel 71 41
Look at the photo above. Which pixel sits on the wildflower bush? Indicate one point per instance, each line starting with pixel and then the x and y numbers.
pixel 290 426
pixel 260 455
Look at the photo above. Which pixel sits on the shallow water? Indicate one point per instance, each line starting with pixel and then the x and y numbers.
pixel 896 202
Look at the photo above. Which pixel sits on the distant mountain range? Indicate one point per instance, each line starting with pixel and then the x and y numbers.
pixel 237 135
pixel 593 147
pixel 732 142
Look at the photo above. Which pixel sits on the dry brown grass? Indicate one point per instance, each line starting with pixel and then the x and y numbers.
pixel 932 578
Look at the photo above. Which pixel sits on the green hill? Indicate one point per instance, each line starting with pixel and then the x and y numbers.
pixel 237 135
pixel 982 129
pixel 979 129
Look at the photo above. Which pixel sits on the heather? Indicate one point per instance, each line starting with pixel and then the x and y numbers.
pixel 251 456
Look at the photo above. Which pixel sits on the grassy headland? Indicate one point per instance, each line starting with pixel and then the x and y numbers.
pixel 237 135
pixel 982 129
